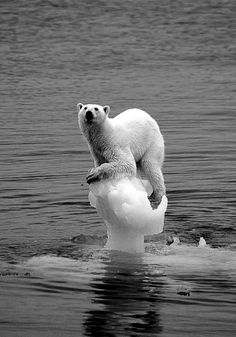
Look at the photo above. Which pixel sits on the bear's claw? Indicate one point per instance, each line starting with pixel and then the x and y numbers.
pixel 92 176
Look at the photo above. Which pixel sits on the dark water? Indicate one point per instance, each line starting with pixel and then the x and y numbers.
pixel 174 59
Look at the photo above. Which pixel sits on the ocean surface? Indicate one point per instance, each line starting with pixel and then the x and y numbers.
pixel 177 61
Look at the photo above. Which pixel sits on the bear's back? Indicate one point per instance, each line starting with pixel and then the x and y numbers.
pixel 134 120
pixel 132 116
pixel 137 129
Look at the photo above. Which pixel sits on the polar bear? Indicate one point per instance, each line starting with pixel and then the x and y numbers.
pixel 129 144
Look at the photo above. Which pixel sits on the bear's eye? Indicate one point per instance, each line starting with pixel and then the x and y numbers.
pixel 85 108
pixel 96 109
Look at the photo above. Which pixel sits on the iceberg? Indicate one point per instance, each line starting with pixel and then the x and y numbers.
pixel 127 212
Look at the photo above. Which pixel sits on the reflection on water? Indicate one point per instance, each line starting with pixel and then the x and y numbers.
pixel 115 294
pixel 174 59
pixel 127 304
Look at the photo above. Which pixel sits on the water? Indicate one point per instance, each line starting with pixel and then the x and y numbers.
pixel 174 59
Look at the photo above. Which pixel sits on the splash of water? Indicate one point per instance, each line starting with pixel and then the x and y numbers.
pixel 127 213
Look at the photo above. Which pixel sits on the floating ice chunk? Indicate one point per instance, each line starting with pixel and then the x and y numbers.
pixel 127 213
pixel 202 242
pixel 182 290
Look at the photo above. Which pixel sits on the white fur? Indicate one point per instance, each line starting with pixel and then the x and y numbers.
pixel 132 140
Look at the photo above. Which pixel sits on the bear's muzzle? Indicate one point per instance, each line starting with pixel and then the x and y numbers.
pixel 89 116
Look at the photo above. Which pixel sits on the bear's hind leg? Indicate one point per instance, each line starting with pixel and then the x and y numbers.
pixel 153 173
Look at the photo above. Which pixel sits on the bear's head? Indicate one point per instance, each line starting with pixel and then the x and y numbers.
pixel 92 114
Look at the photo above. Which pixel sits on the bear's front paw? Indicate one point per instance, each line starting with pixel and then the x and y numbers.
pixel 93 176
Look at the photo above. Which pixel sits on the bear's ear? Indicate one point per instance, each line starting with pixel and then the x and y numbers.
pixel 106 109
pixel 79 106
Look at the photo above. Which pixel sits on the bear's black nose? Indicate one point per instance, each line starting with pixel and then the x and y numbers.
pixel 89 115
